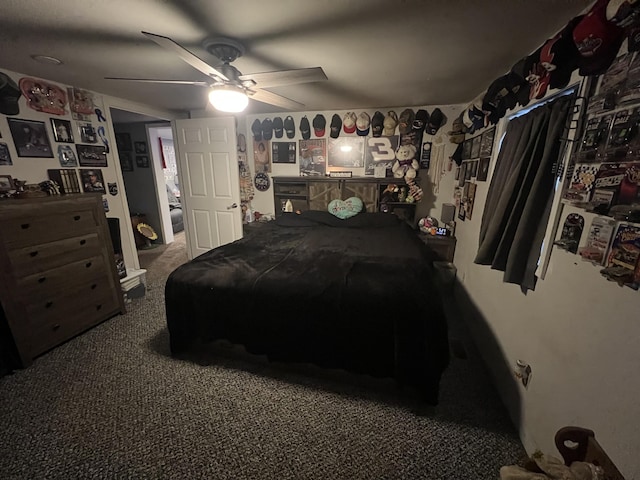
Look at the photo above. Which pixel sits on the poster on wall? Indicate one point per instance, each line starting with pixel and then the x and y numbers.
pixel 30 138
pixel 262 156
pixel 346 152
pixel 313 157
pixel 380 152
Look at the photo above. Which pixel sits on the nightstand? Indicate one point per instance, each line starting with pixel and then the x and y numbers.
pixel 444 247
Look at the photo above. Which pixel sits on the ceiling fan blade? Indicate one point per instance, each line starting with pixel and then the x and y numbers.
pixel 286 77
pixel 152 80
pixel 186 55
pixel 274 99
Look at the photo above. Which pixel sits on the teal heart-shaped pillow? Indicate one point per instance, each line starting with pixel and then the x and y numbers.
pixel 345 208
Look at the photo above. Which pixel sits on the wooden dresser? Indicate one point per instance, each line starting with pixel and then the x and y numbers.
pixel 57 271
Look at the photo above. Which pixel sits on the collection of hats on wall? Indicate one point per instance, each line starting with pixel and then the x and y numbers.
pixel 589 43
pixel 350 123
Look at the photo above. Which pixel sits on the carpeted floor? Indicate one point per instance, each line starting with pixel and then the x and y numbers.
pixel 112 403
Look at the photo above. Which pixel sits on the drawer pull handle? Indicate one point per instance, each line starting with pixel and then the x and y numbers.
pixel 76 218
pixel 48 305
pixel 33 254
pixel 98 307
pixel 25 226
pixel 82 242
pixel 88 264
pixel 94 286
pixel 55 327
pixel 42 279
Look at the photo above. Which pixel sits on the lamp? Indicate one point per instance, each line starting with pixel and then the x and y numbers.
pixel 228 98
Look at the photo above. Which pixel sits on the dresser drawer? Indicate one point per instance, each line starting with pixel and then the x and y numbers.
pixel 58 281
pixel 32 230
pixel 45 256
pixel 47 332
pixel 91 297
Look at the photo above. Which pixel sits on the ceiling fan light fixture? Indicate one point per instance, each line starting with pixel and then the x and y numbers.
pixel 228 98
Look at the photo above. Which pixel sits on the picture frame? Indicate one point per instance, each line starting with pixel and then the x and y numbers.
pixel 6 183
pixel 30 138
pixel 88 133
pixel 123 142
pixel 466 149
pixel 62 131
pixel 126 162
pixel 475 146
pixel 283 152
pixel 5 154
pixel 140 147
pixel 463 174
pixel 483 169
pixel 486 142
pixel 92 180
pixel 142 161
pixel 92 155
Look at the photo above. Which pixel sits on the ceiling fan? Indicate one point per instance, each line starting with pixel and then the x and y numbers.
pixel 227 84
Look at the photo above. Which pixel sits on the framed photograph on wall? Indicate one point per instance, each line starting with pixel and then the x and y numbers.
pixel 92 180
pixel 123 142
pixel 142 161
pixel 486 142
pixel 126 162
pixel 92 155
pixel 62 131
pixel 140 147
pixel 466 149
pixel 5 154
pixel 346 152
pixel 475 146
pixel 30 138
pixel 483 169
pixel 283 152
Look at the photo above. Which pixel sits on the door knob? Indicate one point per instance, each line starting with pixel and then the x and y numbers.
pixel 233 205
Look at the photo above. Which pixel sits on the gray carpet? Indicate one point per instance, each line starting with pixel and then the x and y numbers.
pixel 112 403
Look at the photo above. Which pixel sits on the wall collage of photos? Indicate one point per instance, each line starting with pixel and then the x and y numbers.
pixel 476 158
pixel 77 142
pixel 603 177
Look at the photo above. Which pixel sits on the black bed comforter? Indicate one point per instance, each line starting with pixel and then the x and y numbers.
pixel 355 294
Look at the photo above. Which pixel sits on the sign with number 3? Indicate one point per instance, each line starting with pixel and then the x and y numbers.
pixel 379 152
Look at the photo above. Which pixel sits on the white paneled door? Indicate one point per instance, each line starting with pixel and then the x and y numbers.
pixel 209 182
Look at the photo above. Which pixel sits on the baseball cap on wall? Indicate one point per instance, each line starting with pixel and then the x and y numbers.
pixel 336 126
pixel 362 124
pixel 278 127
pixel 349 122
pixel 420 120
pixel 377 124
pixel 436 120
pixel 305 128
pixel 406 120
pixel 9 96
pixel 267 129
pixel 597 39
pixel 289 127
pixel 390 123
pixel 319 123
pixel 256 129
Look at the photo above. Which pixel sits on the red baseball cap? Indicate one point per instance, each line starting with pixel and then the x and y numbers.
pixel 597 40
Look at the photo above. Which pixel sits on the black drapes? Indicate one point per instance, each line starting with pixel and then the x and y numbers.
pixel 521 191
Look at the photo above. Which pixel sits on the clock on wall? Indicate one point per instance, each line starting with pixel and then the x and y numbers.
pixel 262 181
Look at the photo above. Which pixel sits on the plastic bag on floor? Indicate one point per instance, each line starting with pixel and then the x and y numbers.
pixel 553 469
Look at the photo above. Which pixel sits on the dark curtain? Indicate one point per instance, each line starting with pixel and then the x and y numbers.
pixel 519 199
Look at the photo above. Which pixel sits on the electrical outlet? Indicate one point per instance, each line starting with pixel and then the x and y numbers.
pixel 522 371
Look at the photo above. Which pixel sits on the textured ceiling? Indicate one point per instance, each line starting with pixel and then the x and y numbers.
pixel 375 53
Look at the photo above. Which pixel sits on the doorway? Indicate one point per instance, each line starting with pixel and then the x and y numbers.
pixel 143 142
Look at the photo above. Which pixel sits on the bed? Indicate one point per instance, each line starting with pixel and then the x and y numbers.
pixel 355 294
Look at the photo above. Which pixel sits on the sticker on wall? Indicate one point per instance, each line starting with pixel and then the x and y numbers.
pixel 113 188
pixel 103 138
pixel 67 156
pixel 105 204
pixel 262 181
pixel 5 155
pixel 43 96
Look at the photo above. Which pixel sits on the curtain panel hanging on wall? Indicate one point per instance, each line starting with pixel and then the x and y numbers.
pixel 521 192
